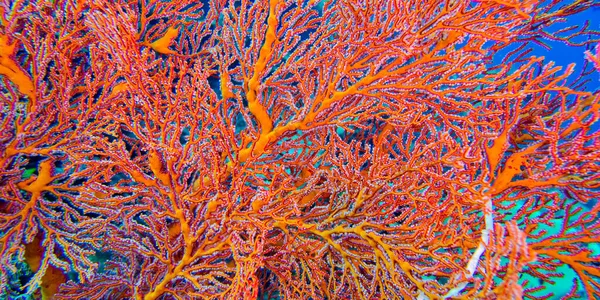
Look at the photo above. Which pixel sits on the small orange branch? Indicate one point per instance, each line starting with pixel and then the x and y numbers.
pixel 10 69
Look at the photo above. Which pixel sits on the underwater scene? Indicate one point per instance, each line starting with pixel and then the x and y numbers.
pixel 299 149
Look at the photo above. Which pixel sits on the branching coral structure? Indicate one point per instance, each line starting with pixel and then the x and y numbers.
pixel 297 149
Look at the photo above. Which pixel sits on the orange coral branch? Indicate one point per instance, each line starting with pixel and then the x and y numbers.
pixel 13 71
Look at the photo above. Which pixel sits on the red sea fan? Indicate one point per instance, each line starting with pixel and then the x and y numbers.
pixel 295 150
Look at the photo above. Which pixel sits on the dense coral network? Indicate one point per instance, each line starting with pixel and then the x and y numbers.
pixel 297 149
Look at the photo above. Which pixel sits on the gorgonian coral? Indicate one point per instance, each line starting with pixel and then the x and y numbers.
pixel 296 149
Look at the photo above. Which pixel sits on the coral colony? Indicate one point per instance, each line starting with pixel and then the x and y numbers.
pixel 299 149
